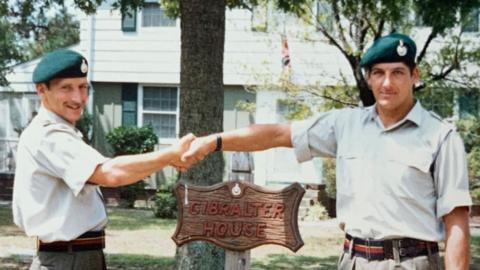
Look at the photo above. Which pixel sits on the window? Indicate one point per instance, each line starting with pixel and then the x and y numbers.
pixel 129 104
pixel 154 16
pixel 160 110
pixel 324 16
pixel 471 22
pixel 16 112
pixel 129 21
pixel 259 19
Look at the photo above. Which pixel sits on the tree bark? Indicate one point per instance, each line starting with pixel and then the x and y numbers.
pixel 201 107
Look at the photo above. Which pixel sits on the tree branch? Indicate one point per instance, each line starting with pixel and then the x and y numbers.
pixel 432 35
pixel 346 103
pixel 341 31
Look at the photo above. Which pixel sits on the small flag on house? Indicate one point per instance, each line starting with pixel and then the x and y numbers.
pixel 285 53
pixel 286 63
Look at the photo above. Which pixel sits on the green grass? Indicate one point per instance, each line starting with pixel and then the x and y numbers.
pixel 140 242
pixel 138 262
pixel 284 262
pixel 475 251
pixel 134 219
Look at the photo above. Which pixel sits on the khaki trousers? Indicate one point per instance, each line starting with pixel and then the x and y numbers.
pixel 79 260
pixel 349 262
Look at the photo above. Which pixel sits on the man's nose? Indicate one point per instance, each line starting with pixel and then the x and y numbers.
pixel 78 95
pixel 387 81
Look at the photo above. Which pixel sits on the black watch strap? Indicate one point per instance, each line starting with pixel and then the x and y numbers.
pixel 219 143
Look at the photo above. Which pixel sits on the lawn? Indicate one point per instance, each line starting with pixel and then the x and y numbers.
pixel 137 240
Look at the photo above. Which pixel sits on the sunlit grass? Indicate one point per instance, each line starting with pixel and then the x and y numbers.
pixel 138 240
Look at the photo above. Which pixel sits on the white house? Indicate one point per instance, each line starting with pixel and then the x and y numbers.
pixel 135 76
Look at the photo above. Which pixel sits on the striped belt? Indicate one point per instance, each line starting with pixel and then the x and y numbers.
pixel 385 249
pixel 86 241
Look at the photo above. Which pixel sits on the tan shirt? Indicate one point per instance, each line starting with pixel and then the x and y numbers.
pixel 51 196
pixel 395 182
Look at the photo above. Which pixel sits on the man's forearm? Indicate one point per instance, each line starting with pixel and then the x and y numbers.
pixel 457 247
pixel 257 137
pixel 252 138
pixel 124 170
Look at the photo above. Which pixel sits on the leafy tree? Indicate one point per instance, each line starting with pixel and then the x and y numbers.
pixel 350 25
pixel 29 29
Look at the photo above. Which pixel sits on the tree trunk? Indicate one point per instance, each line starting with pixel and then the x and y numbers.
pixel 366 95
pixel 201 107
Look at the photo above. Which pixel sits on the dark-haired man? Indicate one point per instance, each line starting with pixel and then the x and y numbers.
pixel 401 170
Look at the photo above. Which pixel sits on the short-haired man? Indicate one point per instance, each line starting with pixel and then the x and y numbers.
pixel 56 195
pixel 401 171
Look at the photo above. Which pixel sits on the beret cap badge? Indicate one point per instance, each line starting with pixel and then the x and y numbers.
pixel 84 66
pixel 401 48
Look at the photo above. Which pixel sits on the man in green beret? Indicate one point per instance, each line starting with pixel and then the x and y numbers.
pixel 401 170
pixel 56 195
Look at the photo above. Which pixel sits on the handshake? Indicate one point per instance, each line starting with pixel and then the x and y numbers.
pixel 190 150
pixel 256 137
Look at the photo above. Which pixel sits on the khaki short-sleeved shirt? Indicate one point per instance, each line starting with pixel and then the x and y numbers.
pixel 395 182
pixel 51 196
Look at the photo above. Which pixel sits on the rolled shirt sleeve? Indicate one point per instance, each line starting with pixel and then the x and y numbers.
pixel 315 137
pixel 64 155
pixel 451 175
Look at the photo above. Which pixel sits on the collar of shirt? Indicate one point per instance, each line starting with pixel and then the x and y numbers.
pixel 50 117
pixel 414 116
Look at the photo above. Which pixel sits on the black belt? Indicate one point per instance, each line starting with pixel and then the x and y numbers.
pixel 86 241
pixel 384 249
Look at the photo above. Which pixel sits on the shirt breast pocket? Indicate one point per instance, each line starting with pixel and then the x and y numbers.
pixel 352 168
pixel 409 175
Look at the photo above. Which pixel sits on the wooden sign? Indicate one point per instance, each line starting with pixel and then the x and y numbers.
pixel 237 215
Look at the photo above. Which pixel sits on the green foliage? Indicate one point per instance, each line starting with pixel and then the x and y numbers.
pixel 127 141
pixel 59 32
pixel 441 101
pixel 295 109
pixel 469 129
pixel 29 29
pixel 316 212
pixel 84 125
pixel 330 177
pixel 473 159
pixel 165 204
pixel 476 195
pixel 246 106
pixel 9 53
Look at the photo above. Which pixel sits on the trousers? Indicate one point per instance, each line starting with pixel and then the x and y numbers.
pixel 78 260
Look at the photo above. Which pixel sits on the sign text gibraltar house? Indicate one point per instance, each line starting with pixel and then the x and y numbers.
pixel 238 216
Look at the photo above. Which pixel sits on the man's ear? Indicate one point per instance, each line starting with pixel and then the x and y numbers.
pixel 416 74
pixel 41 88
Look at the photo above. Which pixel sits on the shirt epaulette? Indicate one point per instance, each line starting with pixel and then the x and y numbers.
pixel 435 115
pixel 447 123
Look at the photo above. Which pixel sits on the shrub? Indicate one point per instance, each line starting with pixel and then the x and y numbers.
pixel 84 125
pixel 127 141
pixel 316 212
pixel 165 204
pixel 330 177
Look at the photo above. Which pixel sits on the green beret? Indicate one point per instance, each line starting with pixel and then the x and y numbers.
pixel 395 47
pixel 60 64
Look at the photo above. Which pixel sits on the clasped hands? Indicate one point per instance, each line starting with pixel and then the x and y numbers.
pixel 190 150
